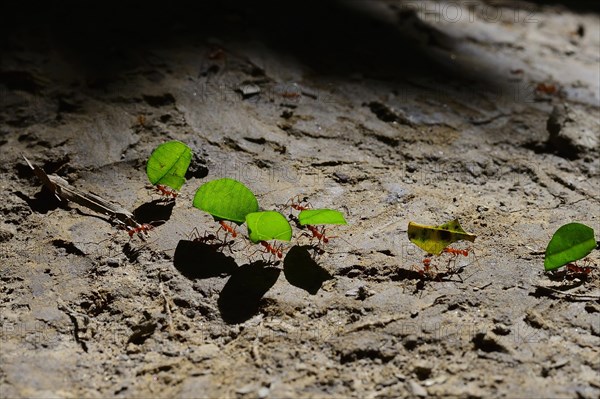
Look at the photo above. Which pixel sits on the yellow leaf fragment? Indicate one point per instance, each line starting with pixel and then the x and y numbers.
pixel 434 239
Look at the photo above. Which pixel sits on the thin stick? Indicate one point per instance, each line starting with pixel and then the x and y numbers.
pixel 567 294
pixel 62 190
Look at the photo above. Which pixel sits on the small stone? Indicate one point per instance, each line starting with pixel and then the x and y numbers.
pixel 416 389
pixel 112 262
pixel 6 235
pixel 535 319
pixel 248 90
pixel 263 392
pixel 489 342
pixel 501 329
pixel 341 178
pixel 572 131
pixel 410 342
pixel 245 389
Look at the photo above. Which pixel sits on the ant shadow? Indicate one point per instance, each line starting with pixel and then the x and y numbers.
pixel 301 270
pixel 423 279
pixel 156 210
pixel 196 260
pixel 240 298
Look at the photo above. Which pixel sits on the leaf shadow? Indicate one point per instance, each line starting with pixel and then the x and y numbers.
pixel 154 211
pixel 196 260
pixel 240 298
pixel 301 270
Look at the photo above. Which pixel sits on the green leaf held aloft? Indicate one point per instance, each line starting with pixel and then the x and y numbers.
pixel 268 225
pixel 571 242
pixel 168 164
pixel 434 239
pixel 226 199
pixel 321 216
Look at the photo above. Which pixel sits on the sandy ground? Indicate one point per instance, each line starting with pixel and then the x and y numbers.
pixel 389 111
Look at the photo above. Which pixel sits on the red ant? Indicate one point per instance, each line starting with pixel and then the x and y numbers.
pixel 277 251
pixel 227 228
pixel 319 234
pixel 456 252
pixel 573 270
pixel 431 271
pixel 139 229
pixel 298 205
pixel 166 191
pixel 546 88
pixel 427 270
pixel 290 94
pixel 210 239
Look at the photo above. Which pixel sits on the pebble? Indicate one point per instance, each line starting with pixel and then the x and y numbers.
pixel 501 329
pixel 416 389
pixel 341 178
pixel 249 90
pixel 263 392
pixel 410 342
pixel 245 389
pixel 6 235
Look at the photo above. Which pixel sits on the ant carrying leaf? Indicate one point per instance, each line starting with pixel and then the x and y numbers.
pixel 268 225
pixel 433 239
pixel 167 166
pixel 569 243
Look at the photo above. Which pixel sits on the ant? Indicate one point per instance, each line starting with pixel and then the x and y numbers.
pixel 428 270
pixel 297 203
pixel 227 228
pixel 431 271
pixel 277 251
pixel 319 234
pixel 573 270
pixel 211 240
pixel 139 229
pixel 546 88
pixel 296 221
pixel 166 191
pixel 290 94
pixel 456 252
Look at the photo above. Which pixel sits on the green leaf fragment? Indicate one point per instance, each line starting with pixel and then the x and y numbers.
pixel 268 225
pixel 434 239
pixel 569 243
pixel 321 216
pixel 226 199
pixel 168 164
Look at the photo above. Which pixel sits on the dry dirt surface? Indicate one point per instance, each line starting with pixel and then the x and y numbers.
pixel 388 111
